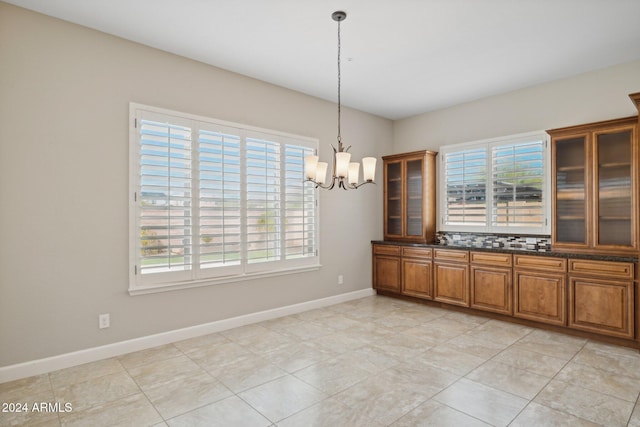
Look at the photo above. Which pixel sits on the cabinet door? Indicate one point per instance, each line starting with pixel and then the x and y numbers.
pixel 571 192
pixel 540 297
pixel 386 273
pixel 393 200
pixel 416 278
pixel 451 283
pixel 491 289
pixel 414 198
pixel 601 306
pixel 613 187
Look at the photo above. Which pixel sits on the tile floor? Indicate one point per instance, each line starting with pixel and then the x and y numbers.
pixel 370 362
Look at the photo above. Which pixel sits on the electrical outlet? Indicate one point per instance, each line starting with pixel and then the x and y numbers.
pixel 104 321
pixel 456 237
pixel 340 279
pixel 531 240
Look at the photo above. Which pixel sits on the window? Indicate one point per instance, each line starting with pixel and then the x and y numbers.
pixel 215 201
pixel 496 185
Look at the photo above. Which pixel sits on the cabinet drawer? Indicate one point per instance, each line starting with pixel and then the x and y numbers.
pixel 450 255
pixel 386 250
pixel 609 269
pixel 487 258
pixel 416 252
pixel 533 262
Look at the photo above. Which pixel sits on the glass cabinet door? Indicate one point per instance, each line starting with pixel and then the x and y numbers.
pixel 393 198
pixel 414 202
pixel 571 190
pixel 613 182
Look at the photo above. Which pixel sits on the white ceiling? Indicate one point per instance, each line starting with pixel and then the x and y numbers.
pixel 399 58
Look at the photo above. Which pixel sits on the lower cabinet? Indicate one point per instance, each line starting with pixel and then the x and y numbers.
pixel 590 295
pixel 491 289
pixel 451 283
pixel 417 273
pixel 490 284
pixel 601 297
pixel 540 297
pixel 405 270
pixel 451 276
pixel 605 307
pixel 386 268
pixel 540 289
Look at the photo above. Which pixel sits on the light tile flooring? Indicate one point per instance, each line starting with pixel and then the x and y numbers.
pixel 370 362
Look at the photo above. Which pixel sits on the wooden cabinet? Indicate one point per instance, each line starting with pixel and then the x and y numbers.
pixel 417 272
pixel 451 276
pixel 540 289
pixel 386 268
pixel 589 295
pixel 594 181
pixel 409 197
pixel 403 269
pixel 601 297
pixel 490 282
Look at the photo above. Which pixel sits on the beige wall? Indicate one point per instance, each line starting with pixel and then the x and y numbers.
pixel 64 99
pixel 594 96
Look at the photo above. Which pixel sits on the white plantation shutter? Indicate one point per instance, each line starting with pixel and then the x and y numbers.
pixel 165 213
pixel 264 218
pixel 518 183
pixel 496 185
pixel 300 205
pixel 219 200
pixel 465 177
pixel 215 201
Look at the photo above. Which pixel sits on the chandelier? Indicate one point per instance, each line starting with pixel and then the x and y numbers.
pixel 344 172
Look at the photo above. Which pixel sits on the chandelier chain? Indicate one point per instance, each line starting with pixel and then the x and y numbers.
pixel 339 45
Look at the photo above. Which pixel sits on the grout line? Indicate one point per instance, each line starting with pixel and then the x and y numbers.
pixel 55 397
pixel 633 410
pixel 546 385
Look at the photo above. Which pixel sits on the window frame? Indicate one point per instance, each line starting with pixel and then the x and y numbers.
pixel 488 144
pixel 157 282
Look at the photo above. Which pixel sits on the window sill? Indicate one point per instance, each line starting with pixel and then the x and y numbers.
pixel 142 290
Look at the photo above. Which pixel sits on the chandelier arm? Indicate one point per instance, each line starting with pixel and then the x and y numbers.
pixel 318 185
pixel 356 186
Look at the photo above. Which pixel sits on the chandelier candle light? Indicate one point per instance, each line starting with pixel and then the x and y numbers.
pixel 345 173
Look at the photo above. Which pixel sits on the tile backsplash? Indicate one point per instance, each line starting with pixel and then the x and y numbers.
pixel 482 240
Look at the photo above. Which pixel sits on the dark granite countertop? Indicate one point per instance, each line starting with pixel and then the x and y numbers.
pixel 593 256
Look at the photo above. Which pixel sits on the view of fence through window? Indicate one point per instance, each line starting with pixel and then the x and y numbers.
pixel 213 198
pixel 518 172
pixel 165 197
pixel 501 185
pixel 466 176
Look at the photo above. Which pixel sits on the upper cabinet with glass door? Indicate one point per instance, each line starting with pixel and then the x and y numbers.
pixel 595 182
pixel 409 197
pixel 570 156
